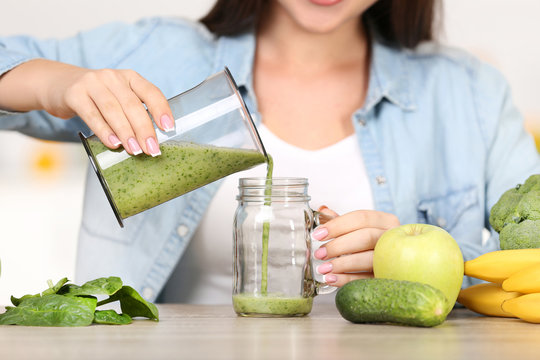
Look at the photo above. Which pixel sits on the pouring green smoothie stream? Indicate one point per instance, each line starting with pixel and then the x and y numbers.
pixel 266 227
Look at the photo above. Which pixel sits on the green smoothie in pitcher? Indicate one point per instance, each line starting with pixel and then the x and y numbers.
pixel 142 182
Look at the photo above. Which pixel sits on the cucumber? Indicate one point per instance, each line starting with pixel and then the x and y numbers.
pixel 391 301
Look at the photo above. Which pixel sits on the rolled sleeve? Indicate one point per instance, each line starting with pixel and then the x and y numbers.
pixel 10 59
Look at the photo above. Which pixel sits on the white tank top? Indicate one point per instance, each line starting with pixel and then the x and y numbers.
pixel 337 178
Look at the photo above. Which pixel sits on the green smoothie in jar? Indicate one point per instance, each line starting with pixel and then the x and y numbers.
pixel 272 305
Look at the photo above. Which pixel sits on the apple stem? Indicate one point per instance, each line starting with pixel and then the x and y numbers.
pixel 415 230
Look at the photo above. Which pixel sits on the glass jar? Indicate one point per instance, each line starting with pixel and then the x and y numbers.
pixel 273 271
pixel 214 136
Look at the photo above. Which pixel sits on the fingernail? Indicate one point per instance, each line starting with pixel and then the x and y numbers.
pixel 115 141
pixel 324 268
pixel 320 253
pixel 167 123
pixel 134 146
pixel 319 233
pixel 330 278
pixel 152 146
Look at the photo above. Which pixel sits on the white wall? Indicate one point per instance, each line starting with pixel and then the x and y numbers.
pixel 505 34
pixel 60 18
pixel 41 183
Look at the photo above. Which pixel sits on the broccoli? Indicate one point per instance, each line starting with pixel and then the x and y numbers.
pixel 516 216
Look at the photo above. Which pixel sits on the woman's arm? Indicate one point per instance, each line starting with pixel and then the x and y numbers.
pixel 111 102
pixel 511 153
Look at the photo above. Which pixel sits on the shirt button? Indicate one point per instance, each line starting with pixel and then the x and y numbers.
pixel 362 122
pixel 441 222
pixel 381 180
pixel 147 293
pixel 182 230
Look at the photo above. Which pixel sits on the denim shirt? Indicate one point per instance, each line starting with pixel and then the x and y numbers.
pixel 440 137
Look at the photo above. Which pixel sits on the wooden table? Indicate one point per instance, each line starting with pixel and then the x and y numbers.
pixel 205 332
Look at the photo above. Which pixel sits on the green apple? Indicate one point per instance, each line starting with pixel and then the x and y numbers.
pixel 423 253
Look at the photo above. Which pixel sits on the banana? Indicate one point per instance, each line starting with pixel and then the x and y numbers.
pixel 486 299
pixel 526 280
pixel 497 266
pixel 525 307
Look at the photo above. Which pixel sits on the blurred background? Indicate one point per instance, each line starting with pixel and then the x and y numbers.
pixel 41 183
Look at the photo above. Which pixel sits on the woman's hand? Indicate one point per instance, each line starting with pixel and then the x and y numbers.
pixel 352 239
pixel 110 102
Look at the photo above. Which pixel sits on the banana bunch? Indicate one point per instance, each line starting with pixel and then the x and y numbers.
pixel 514 284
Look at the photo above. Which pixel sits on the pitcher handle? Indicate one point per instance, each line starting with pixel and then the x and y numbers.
pixel 321 287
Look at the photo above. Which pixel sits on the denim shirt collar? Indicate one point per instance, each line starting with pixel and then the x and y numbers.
pixel 389 75
pixel 389 78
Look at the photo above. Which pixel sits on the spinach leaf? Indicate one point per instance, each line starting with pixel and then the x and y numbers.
pixel 132 303
pixel 16 301
pixel 53 289
pixel 51 310
pixel 111 317
pixel 101 286
pixel 64 304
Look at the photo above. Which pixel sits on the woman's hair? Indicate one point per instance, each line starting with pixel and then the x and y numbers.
pixel 399 23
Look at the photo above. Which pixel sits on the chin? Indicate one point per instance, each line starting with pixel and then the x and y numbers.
pixel 315 18
pixel 320 25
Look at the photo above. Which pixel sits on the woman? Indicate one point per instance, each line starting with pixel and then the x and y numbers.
pixel 387 130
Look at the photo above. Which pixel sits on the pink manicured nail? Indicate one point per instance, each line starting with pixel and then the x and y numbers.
pixel 115 141
pixel 167 123
pixel 323 207
pixel 324 268
pixel 319 233
pixel 152 146
pixel 330 278
pixel 320 253
pixel 134 146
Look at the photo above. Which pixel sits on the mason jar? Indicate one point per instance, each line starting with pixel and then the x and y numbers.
pixel 273 258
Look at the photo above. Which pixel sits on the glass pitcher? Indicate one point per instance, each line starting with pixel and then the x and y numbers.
pixel 214 136
pixel 273 257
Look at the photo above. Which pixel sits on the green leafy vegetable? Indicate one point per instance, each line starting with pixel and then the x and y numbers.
pixel 64 304
pixel 51 310
pixel 101 286
pixel 53 289
pixel 133 304
pixel 111 317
